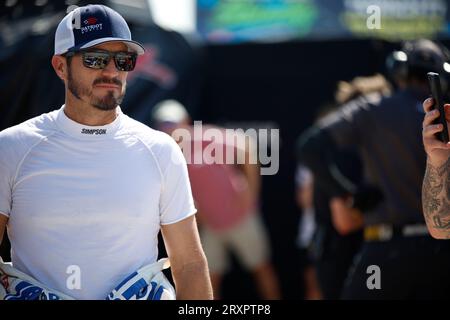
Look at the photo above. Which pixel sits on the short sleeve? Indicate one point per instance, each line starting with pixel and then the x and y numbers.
pixel 176 201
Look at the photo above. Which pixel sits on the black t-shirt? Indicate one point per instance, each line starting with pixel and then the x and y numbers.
pixel 387 134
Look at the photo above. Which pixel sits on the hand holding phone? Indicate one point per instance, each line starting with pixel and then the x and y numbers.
pixel 436 91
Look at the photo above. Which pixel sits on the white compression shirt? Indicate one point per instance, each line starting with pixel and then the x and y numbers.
pixel 88 201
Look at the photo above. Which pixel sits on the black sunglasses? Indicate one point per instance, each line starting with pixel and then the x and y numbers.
pixel 99 59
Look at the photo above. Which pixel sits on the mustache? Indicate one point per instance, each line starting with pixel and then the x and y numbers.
pixel 107 81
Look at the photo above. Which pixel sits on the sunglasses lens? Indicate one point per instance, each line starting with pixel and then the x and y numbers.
pixel 95 60
pixel 125 61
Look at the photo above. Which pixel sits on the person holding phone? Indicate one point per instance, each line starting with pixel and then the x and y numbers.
pixel 386 131
pixel 436 183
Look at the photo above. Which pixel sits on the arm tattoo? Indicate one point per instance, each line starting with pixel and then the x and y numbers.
pixel 436 198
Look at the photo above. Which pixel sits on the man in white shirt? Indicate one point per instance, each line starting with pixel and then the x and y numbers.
pixel 87 189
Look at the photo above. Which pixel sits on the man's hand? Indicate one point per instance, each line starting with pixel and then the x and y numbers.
pixel 436 182
pixel 437 151
pixel 345 218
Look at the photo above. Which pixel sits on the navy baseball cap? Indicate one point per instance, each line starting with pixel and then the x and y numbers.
pixel 91 25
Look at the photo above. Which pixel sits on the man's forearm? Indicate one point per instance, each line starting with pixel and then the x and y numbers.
pixel 251 172
pixel 436 199
pixel 192 282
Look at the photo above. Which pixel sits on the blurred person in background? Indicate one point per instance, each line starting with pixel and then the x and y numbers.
pixel 227 198
pixel 338 234
pixel 306 228
pixel 334 243
pixel 386 132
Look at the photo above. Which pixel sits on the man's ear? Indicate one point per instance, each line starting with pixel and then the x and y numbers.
pixel 60 66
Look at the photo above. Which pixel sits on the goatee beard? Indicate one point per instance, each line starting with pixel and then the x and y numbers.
pixel 106 103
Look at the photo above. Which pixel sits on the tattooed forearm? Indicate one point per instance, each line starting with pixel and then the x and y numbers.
pixel 438 224
pixel 436 199
pixel 433 184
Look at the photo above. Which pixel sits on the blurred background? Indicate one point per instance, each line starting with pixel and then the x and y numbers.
pixel 234 63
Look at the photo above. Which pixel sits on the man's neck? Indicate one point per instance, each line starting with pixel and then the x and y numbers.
pixel 84 113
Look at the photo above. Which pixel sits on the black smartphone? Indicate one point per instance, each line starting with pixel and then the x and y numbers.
pixel 436 92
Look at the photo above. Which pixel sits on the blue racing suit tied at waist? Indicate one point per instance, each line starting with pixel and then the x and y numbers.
pixel 147 283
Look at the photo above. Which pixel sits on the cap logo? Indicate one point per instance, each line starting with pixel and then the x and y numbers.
pixel 90 21
pixel 91 25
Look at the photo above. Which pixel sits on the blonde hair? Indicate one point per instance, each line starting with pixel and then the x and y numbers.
pixel 359 86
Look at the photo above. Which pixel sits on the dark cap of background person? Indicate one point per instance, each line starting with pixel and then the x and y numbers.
pixel 418 57
pixel 428 55
pixel 91 25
